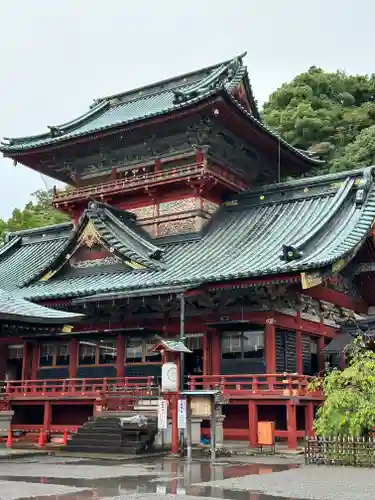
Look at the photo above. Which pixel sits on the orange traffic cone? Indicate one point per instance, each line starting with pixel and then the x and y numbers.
pixel 9 442
pixel 65 440
pixel 41 439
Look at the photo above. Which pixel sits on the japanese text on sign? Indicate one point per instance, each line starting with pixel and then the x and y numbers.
pixel 162 414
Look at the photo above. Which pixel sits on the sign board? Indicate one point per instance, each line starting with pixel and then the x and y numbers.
pixel 162 414
pixel 169 377
pixel 182 413
pixel 201 407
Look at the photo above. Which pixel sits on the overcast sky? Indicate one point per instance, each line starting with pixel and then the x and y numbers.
pixel 56 56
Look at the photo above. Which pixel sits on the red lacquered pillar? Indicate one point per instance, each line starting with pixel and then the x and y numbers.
pixel 309 419
pixel 253 424
pixel 120 360
pixel 321 347
pixel 299 352
pixel 73 358
pixel 174 415
pixel 292 425
pixel 270 343
pixel 47 415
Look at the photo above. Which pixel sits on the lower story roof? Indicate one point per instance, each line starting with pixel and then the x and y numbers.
pixel 282 229
pixel 13 308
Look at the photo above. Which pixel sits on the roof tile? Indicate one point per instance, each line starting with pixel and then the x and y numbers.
pixel 242 240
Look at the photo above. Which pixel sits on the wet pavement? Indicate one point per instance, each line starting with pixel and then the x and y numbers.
pixel 58 478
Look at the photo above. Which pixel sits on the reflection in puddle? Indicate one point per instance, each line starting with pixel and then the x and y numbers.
pixel 166 477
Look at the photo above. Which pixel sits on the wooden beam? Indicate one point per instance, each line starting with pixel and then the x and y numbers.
pixel 338 298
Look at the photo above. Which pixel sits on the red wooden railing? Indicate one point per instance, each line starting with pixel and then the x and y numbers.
pixel 275 384
pixel 165 175
pixel 126 182
pixel 54 434
pixel 83 387
pixel 245 386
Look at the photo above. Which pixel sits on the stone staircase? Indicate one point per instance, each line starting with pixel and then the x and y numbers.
pixel 106 434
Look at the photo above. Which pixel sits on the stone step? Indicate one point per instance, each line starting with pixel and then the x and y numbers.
pixel 105 434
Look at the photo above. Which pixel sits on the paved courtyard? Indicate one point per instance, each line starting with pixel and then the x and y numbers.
pixel 61 478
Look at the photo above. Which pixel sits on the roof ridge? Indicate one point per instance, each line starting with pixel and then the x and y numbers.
pixel 168 80
pixel 306 182
pixel 153 249
pixel 65 125
pixel 35 230
pixel 221 77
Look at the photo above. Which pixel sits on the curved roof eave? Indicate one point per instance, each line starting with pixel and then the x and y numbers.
pixel 11 150
pixel 182 105
pixel 269 131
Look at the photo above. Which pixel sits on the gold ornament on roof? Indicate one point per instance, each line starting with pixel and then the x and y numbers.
pixel 89 236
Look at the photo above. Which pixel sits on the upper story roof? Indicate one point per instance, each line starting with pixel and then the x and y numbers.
pixel 281 230
pixel 153 100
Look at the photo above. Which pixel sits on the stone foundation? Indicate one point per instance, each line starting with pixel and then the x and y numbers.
pixel 5 421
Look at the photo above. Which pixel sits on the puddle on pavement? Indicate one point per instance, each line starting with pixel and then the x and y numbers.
pixel 166 477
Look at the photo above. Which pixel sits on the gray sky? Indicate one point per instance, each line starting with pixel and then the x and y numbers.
pixel 56 56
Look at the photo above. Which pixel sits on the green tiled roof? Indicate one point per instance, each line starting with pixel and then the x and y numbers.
pixel 118 233
pixel 13 308
pixel 277 230
pixel 151 101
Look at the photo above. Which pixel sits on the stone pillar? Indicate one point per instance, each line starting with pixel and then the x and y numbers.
pixel 5 421
pixel 219 426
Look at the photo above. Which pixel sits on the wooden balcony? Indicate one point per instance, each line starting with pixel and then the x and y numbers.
pixel 259 386
pixel 132 183
pixel 84 388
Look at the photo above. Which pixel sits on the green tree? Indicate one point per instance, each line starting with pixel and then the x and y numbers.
pixel 36 213
pixel 349 404
pixel 358 153
pixel 323 112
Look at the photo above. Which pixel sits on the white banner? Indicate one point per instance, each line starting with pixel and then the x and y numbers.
pixel 162 414
pixel 182 413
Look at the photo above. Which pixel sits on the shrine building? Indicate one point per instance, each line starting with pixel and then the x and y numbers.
pixel 190 219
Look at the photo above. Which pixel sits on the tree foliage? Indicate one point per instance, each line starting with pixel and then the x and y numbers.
pixel 36 213
pixel 326 113
pixel 349 405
